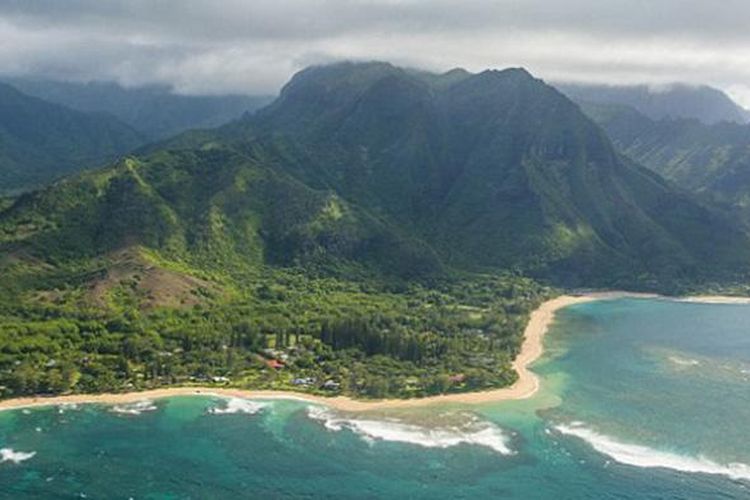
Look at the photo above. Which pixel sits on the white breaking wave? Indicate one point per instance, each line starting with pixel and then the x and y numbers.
pixel 134 408
pixel 476 432
pixel 62 408
pixel 684 361
pixel 239 405
pixel 643 456
pixel 10 455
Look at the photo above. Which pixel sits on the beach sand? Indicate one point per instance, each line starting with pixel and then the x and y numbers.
pixel 526 385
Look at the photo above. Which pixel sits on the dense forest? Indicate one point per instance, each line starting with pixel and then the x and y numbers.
pixel 286 331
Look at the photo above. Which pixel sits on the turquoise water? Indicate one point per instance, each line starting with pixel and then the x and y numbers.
pixel 640 399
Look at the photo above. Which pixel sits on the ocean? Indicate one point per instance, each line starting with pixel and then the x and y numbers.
pixel 640 398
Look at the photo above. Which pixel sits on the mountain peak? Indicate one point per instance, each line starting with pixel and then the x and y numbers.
pixel 337 75
pixel 508 73
pixel 494 169
pixel 456 72
pixel 497 79
pixel 350 78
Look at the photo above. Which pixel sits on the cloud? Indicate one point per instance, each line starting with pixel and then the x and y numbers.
pixel 203 46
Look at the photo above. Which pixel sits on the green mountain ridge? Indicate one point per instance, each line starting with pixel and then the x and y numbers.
pixel 494 170
pixel 41 141
pixel 212 207
pixel 710 160
pixel 155 111
pixel 491 171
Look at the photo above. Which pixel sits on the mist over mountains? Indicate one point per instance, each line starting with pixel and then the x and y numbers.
pixel 50 129
pixel 155 111
pixel 701 102
pixel 711 160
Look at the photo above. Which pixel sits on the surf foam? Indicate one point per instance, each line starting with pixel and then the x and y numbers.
pixel 643 456
pixel 10 455
pixel 238 405
pixel 134 408
pixel 475 432
pixel 684 361
pixel 62 408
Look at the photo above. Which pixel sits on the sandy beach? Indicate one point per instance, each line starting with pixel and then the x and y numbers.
pixel 526 385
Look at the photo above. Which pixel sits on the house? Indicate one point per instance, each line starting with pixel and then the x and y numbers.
pixel 331 385
pixel 303 381
pixel 275 364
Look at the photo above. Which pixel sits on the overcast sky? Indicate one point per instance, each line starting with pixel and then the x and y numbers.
pixel 253 46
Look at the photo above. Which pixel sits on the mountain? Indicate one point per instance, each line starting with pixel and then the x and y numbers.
pixel 369 233
pixel 210 207
pixel 41 141
pixel 711 160
pixel 703 103
pixel 493 170
pixel 155 111
pixel 388 168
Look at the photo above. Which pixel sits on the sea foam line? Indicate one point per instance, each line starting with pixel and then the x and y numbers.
pixel 643 456
pixel 62 408
pixel 134 408
pixel 239 405
pixel 476 432
pixel 10 455
pixel 684 361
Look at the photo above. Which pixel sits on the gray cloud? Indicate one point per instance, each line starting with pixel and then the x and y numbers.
pixel 252 46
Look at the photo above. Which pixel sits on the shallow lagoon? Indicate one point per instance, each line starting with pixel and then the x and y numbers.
pixel 640 399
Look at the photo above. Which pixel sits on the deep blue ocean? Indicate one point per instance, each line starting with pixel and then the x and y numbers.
pixel 640 399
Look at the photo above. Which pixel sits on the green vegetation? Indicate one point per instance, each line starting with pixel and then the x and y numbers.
pixel 201 266
pixel 368 339
pixel 155 111
pixel 494 171
pixel 41 141
pixel 711 161
pixel 370 233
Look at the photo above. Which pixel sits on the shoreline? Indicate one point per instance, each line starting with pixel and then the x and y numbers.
pixel 526 385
